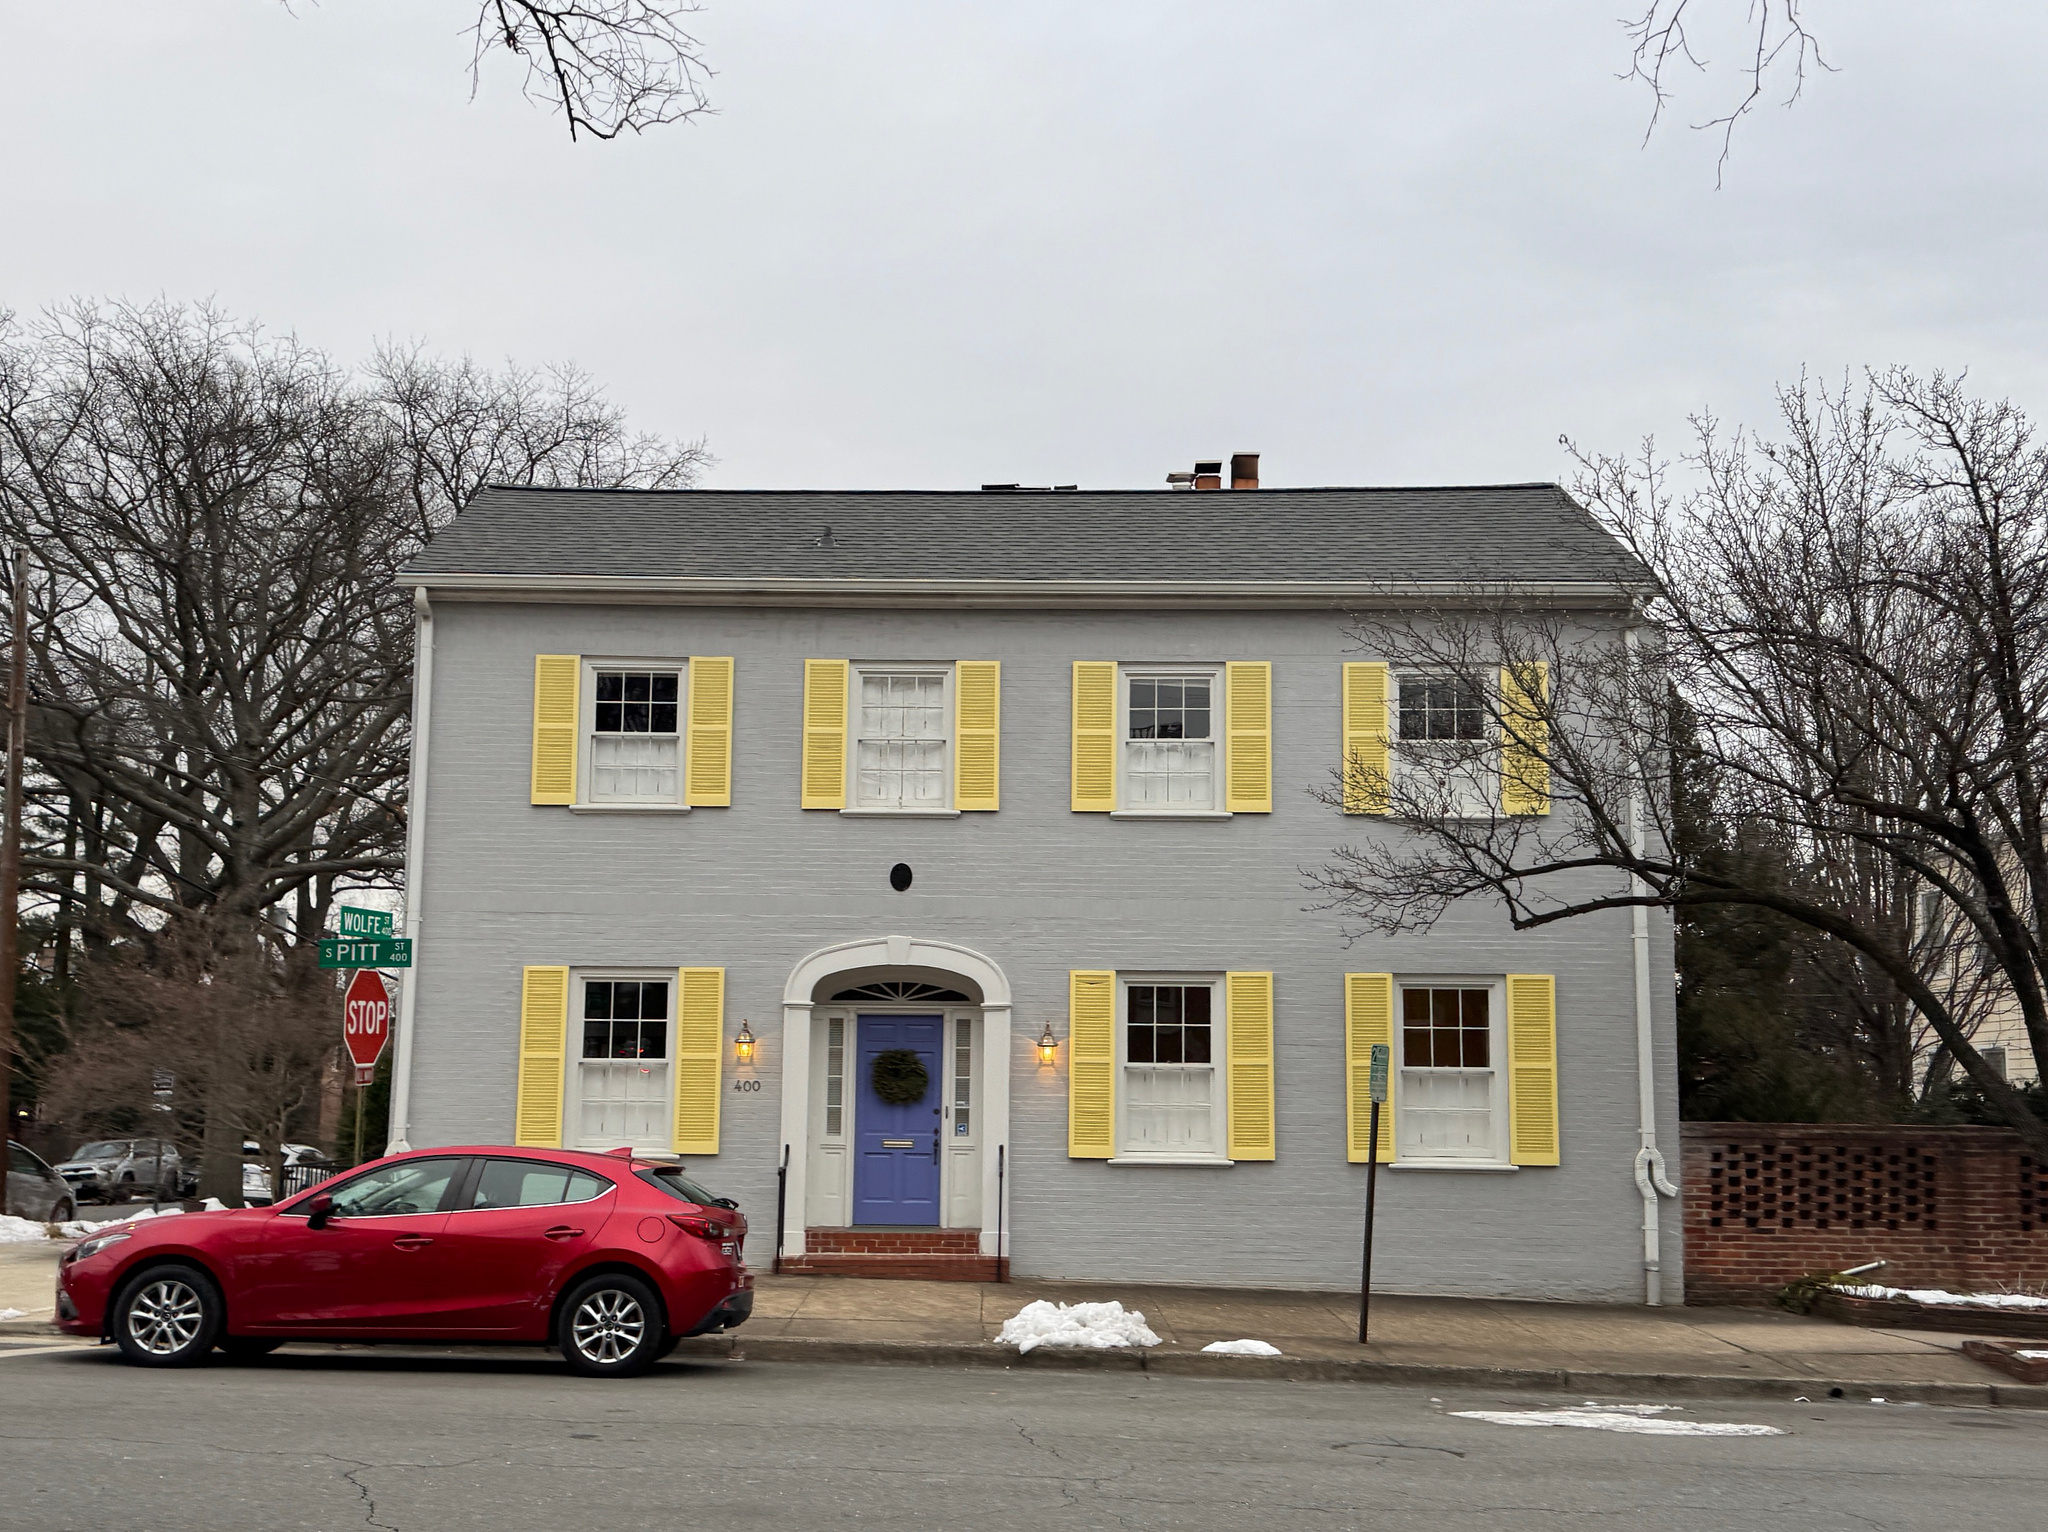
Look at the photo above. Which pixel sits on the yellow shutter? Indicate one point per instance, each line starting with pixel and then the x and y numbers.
pixel 1368 1019
pixel 554 727
pixel 977 728
pixel 1248 1047
pixel 1094 736
pixel 709 763
pixel 1525 738
pixel 699 1053
pixel 1091 1064
pixel 1532 1069
pixel 1366 785
pixel 543 1046
pixel 825 683
pixel 1248 719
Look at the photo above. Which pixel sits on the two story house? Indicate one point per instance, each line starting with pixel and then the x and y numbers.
pixel 935 860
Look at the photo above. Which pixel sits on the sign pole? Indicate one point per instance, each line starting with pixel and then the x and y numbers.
pixel 1378 1088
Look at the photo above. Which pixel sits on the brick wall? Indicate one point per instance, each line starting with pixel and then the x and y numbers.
pixel 1960 1208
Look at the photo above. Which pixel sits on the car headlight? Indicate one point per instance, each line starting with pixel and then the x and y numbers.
pixel 96 1244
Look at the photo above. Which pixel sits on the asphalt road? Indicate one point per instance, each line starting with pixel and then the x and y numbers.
pixel 417 1443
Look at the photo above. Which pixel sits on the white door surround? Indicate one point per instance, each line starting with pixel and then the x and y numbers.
pixel 832 966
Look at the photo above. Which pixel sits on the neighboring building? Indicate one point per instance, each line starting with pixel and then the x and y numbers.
pixel 899 784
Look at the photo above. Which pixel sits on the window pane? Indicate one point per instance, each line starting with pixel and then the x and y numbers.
pixel 597 998
pixel 626 1000
pixel 521 1184
pixel 1441 708
pixel 653 1040
pixel 611 686
pixel 415 1186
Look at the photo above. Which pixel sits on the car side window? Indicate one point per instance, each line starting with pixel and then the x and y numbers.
pixel 533 1183
pixel 415 1186
pixel 23 1161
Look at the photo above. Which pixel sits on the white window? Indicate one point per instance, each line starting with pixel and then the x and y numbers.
pixel 622 1071
pixel 1446 765
pixel 1170 1100
pixel 835 1077
pixel 963 1077
pixel 1450 1106
pixel 632 732
pixel 900 742
pixel 1171 758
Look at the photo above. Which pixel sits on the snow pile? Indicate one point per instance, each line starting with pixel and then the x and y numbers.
pixel 1242 1348
pixel 1936 1297
pixel 20 1231
pixel 73 1228
pixel 7 1314
pixel 2033 1356
pixel 1096 1326
pixel 1633 1419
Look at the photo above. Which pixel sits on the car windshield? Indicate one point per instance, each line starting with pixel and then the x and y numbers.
pixel 106 1149
pixel 679 1186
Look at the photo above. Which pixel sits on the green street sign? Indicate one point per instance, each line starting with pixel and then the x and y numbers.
pixel 1376 1086
pixel 366 952
pixel 359 922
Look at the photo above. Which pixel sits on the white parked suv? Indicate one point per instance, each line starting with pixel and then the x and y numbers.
pixel 115 1169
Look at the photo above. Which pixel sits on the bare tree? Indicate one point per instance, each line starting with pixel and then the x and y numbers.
pixel 221 671
pixel 1774 40
pixel 606 66
pixel 1855 621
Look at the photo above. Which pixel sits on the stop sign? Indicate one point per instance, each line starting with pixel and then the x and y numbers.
pixel 366 1022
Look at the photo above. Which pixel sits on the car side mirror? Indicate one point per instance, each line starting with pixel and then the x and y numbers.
pixel 319 1211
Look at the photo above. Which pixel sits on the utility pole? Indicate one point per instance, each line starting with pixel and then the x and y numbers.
pixel 10 850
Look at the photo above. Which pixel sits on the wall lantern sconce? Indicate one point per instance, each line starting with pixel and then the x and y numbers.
pixel 1048 1047
pixel 743 1045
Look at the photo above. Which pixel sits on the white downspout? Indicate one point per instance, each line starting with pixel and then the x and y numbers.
pixel 415 866
pixel 1651 1181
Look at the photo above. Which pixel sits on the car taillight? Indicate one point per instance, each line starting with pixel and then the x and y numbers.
pixel 703 1228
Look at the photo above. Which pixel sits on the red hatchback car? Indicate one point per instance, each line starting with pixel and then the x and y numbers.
pixel 611 1258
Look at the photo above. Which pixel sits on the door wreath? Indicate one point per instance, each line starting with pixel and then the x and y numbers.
pixel 898 1076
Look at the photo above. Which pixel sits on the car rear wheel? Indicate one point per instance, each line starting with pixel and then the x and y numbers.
pixel 611 1327
pixel 169 1316
pixel 63 1212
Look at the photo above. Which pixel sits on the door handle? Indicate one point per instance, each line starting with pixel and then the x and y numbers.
pixel 561 1231
pixel 412 1241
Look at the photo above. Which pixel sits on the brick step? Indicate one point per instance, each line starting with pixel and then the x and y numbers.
pixel 892 1241
pixel 914 1267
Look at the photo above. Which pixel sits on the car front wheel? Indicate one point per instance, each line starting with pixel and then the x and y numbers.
pixel 169 1316
pixel 611 1327
pixel 63 1212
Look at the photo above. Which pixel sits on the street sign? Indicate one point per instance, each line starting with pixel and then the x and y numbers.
pixel 1378 1085
pixel 360 922
pixel 366 952
pixel 366 1022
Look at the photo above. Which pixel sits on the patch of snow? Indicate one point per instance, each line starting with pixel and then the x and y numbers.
pixel 22 1231
pixel 75 1227
pixel 1095 1326
pixel 1936 1297
pixel 7 1314
pixel 2033 1356
pixel 1242 1348
pixel 1632 1419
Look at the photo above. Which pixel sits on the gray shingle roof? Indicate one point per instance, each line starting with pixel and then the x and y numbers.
pixel 1519 532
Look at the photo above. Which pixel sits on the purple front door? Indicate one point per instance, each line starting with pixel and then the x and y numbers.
pixel 896 1143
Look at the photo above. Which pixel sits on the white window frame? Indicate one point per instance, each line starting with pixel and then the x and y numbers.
pixel 586 730
pixel 855 809
pixel 1476 799
pixel 1219 1042
pixel 1496 1017
pixel 1125 674
pixel 572 1126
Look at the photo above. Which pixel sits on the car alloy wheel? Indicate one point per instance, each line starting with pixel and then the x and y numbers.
pixel 611 1327
pixel 166 1316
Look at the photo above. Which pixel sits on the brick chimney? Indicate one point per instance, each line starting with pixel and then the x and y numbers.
pixel 1209 475
pixel 1244 470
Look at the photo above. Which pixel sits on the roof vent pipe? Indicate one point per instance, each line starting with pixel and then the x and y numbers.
pixel 1244 470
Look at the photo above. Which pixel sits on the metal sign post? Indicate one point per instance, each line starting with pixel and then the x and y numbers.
pixel 1378 1091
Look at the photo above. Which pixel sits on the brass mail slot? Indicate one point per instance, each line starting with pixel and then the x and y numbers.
pixel 899 1143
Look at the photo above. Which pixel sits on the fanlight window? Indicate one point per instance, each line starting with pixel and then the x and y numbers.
pixel 898 990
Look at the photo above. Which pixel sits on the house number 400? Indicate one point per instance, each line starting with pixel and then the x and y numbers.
pixel 746 1085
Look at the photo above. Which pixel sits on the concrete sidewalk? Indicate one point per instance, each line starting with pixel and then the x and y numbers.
pixel 1433 1342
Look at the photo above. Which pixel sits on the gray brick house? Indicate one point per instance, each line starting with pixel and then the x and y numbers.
pixel 948 848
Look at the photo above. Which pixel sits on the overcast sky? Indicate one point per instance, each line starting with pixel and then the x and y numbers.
pixel 933 244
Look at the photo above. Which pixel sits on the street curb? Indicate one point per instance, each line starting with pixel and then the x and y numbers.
pixel 29 1327
pixel 1285 1369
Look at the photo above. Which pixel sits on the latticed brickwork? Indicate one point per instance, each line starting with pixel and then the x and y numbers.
pixel 1947 1207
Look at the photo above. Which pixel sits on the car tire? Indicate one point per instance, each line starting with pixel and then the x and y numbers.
pixel 611 1327
pixel 167 1316
pixel 247 1348
pixel 63 1212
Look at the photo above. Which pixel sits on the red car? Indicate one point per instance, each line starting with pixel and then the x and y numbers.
pixel 613 1259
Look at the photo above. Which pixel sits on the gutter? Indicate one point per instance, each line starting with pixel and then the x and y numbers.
pixel 415 864
pixel 1651 1182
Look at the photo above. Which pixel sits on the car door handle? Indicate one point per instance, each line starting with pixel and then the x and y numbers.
pixel 412 1241
pixel 562 1231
